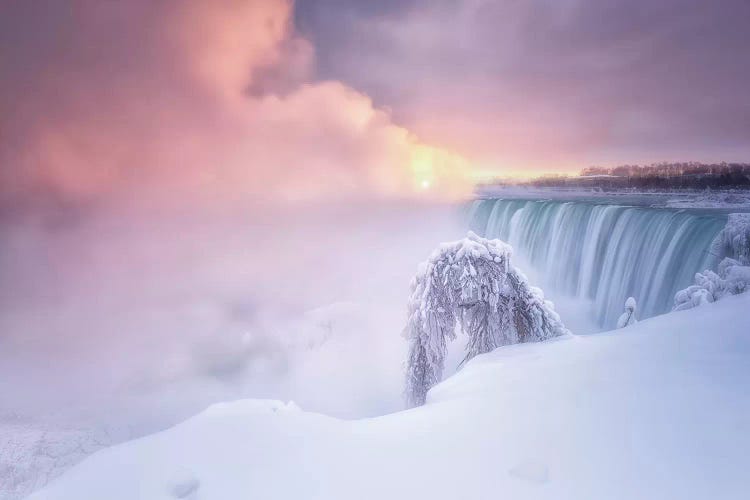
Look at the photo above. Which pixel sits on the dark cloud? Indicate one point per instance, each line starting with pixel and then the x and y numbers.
pixel 584 80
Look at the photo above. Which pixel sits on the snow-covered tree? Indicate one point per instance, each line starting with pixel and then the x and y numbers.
pixel 469 285
pixel 734 240
pixel 628 317
pixel 732 245
pixel 733 278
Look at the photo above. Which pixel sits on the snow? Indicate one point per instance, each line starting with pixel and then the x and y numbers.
pixel 342 359
pixel 184 484
pixel 657 410
pixel 470 286
pixel 33 452
pixel 729 199
pixel 732 279
pixel 734 239
pixel 628 317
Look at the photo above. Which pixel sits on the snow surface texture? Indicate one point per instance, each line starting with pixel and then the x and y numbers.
pixel 34 452
pixel 470 285
pixel 657 410
pixel 314 350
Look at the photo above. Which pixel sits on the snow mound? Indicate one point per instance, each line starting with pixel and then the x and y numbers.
pixel 657 410
pixel 249 407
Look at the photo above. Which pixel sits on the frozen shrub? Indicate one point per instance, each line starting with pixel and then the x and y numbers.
pixel 628 317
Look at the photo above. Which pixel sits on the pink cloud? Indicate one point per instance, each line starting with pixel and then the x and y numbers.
pixel 186 100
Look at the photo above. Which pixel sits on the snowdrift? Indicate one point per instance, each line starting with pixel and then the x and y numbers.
pixel 657 410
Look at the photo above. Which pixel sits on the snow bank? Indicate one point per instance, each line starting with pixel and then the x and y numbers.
pixel 657 410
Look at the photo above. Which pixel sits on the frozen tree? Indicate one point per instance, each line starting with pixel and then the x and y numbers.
pixel 628 317
pixel 732 245
pixel 470 286
pixel 734 240
pixel 733 278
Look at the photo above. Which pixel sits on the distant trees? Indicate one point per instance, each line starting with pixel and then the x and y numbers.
pixel 470 286
pixel 678 175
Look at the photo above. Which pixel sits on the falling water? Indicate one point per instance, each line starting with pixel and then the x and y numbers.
pixel 604 253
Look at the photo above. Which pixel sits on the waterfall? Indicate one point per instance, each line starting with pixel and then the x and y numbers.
pixel 604 253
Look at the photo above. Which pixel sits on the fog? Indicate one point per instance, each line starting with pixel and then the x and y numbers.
pixel 139 318
pixel 183 216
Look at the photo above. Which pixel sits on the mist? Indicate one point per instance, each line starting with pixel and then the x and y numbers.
pixel 188 214
pixel 125 316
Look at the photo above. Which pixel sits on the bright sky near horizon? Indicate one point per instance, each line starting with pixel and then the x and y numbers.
pixel 268 99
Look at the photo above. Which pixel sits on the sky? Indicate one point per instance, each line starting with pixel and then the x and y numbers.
pixel 549 84
pixel 276 100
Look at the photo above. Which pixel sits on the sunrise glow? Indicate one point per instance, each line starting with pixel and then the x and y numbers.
pixel 374 249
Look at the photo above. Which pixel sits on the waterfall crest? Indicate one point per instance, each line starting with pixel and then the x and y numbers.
pixel 604 253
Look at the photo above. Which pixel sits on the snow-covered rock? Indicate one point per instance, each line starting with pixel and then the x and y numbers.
pixel 657 410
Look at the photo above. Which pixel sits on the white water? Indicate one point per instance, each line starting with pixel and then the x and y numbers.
pixel 604 253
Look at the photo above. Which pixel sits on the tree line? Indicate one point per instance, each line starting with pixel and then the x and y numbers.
pixel 681 175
